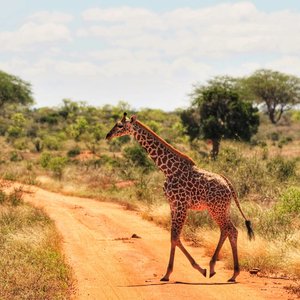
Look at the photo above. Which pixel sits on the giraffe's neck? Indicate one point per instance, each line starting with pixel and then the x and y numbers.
pixel 169 160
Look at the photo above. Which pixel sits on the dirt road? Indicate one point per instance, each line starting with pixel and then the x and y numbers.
pixel 109 264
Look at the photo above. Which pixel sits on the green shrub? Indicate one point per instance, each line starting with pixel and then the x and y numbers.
pixel 38 145
pixel 45 159
pixel 290 201
pixel 282 169
pixel 273 225
pixel 21 143
pixel 273 136
pixel 51 143
pixel 296 115
pixel 15 156
pixel 137 156
pixel 56 165
pixel 74 152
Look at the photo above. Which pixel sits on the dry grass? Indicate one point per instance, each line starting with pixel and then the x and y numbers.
pixel 274 258
pixel 31 263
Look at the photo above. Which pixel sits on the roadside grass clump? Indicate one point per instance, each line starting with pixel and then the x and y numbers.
pixel 31 263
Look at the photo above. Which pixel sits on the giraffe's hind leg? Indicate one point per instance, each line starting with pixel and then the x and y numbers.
pixel 214 258
pixel 227 230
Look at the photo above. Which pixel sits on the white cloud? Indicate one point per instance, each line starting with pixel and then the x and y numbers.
pixel 120 14
pixel 216 31
pixel 147 57
pixel 50 17
pixel 40 28
pixel 287 64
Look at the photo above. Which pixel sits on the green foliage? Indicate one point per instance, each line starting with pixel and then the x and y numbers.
pixel 45 159
pixel 137 156
pixel 281 168
pixel 273 225
pixel 296 115
pixel 14 90
pixel 289 203
pixel 15 156
pixel 51 142
pixel 54 164
pixel 74 152
pixel 17 128
pixel 222 114
pixel 77 129
pixel 278 91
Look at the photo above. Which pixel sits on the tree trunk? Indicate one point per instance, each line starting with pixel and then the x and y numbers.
pixel 215 149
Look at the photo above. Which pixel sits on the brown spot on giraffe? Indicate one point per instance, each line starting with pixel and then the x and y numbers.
pixel 187 187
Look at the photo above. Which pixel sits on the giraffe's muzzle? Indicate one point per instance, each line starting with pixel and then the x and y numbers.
pixel 108 136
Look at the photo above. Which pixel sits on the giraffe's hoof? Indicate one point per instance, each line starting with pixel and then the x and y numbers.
pixel 212 274
pixel 231 280
pixel 204 272
pixel 164 279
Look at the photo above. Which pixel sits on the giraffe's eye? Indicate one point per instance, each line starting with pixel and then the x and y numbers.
pixel 120 125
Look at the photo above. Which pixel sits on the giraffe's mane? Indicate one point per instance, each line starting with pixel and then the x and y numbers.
pixel 170 147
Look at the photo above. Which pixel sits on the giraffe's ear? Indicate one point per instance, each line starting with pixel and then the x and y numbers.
pixel 133 119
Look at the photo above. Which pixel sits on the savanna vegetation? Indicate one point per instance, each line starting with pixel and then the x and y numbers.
pixel 31 263
pixel 225 129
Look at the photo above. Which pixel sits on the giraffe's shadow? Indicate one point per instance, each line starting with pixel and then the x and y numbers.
pixel 180 282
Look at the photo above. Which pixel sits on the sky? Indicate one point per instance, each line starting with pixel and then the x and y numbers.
pixel 147 53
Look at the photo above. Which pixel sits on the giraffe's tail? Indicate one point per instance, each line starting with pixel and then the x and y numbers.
pixel 248 223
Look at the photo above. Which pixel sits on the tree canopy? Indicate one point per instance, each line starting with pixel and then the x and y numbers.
pixel 278 91
pixel 14 90
pixel 218 112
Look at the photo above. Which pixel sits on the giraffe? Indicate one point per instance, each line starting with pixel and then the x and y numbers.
pixel 187 187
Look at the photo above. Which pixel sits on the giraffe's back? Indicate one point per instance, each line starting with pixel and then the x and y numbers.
pixel 209 191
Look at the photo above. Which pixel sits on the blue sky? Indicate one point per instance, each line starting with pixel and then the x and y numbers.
pixel 148 53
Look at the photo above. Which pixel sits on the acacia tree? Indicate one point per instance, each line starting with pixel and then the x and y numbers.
pixel 278 91
pixel 14 90
pixel 218 112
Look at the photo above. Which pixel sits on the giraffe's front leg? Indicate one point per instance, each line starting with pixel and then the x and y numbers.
pixel 171 262
pixel 174 239
pixel 178 219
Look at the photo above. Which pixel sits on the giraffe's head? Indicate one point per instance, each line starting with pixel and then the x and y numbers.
pixel 123 127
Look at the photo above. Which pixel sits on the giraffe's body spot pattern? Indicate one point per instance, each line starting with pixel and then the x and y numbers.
pixel 187 187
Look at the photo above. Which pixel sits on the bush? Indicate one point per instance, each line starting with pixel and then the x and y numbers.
pixel 38 145
pixel 273 225
pixel 52 143
pixel 74 152
pixel 290 201
pixel 138 157
pixel 273 136
pixel 45 159
pixel 15 156
pixel 282 169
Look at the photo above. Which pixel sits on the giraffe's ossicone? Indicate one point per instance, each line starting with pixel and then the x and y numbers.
pixel 187 187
